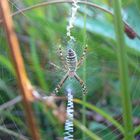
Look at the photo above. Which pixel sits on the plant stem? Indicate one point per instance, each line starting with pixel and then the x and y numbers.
pixel 10 103
pixel 46 3
pixel 10 132
pixel 123 70
pixel 84 77
pixel 84 116
pixel 22 78
pixel 36 65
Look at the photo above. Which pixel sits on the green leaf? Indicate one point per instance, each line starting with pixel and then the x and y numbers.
pixel 86 131
pixel 137 3
pixel 8 90
pixel 102 113
pixel 37 67
pixel 96 126
pixel 7 64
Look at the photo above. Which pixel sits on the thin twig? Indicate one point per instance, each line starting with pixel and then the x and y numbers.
pixel 39 95
pixel 10 103
pixel 10 132
pixel 41 98
pixel 42 4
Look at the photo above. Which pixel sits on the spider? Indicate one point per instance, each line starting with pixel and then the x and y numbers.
pixel 71 64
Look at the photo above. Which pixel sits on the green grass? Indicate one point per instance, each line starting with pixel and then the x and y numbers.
pixel 105 70
pixel 123 70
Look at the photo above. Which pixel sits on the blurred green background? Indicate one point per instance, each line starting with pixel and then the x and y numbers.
pixel 40 32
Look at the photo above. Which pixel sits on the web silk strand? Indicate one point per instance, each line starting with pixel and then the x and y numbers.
pixel 72 19
pixel 68 135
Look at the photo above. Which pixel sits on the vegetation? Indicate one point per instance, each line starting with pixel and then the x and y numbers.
pixel 110 110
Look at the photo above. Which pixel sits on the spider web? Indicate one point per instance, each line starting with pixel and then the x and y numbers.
pixel 105 129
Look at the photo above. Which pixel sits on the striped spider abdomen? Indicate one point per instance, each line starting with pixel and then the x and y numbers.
pixel 71 62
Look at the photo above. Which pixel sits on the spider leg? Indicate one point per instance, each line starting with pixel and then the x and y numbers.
pixel 58 87
pixel 57 67
pixel 62 58
pixel 84 88
pixel 82 57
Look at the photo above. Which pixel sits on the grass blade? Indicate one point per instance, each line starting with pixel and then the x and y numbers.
pixel 123 70
pixel 37 67
pixel 86 131
pixel 102 113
